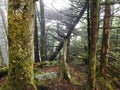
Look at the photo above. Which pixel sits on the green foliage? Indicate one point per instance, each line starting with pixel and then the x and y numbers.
pixel 50 63
pixel 102 84
pixel 109 86
pixel 115 63
pixel 76 47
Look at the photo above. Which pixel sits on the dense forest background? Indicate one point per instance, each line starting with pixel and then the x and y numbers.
pixel 60 45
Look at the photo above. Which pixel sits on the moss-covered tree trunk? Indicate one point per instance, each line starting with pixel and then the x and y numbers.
pixel 105 39
pixel 63 67
pixel 2 64
pixel 20 30
pixel 93 40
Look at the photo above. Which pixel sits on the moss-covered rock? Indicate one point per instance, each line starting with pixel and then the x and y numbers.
pixel 46 76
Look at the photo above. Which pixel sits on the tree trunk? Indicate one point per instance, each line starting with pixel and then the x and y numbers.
pixel 117 39
pixel 68 50
pixel 42 36
pixel 105 39
pixel 36 49
pixel 20 21
pixel 63 67
pixel 93 40
pixel 2 64
pixel 88 28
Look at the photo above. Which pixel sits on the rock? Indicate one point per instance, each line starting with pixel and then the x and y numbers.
pixel 46 76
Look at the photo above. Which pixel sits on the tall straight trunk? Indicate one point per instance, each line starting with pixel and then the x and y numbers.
pixel 42 36
pixel 88 28
pixel 105 39
pixel 93 40
pixel 20 30
pixel 36 49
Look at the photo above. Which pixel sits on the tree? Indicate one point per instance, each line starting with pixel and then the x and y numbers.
pixel 1 58
pixel 3 20
pixel 88 27
pixel 105 39
pixel 36 47
pixel 71 29
pixel 64 69
pixel 42 36
pixel 20 21
pixel 93 40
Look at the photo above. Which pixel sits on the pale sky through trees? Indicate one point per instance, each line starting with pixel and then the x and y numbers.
pixel 57 4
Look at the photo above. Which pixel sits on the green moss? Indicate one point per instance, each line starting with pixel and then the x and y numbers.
pixel 103 84
pixel 74 82
pixel 64 72
pixel 109 86
pixel 20 73
pixel 43 83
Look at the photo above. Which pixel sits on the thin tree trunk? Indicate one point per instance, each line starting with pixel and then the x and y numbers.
pixel 36 49
pixel 68 50
pixel 105 39
pixel 20 36
pixel 93 40
pixel 117 38
pixel 64 69
pixel 42 36
pixel 88 28
pixel 2 64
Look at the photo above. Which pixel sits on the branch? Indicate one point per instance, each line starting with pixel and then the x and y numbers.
pixel 71 29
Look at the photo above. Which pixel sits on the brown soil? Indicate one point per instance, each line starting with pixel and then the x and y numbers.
pixel 2 80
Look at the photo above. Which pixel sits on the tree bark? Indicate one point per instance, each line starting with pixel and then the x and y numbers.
pixel 36 49
pixel 93 40
pixel 42 36
pixel 117 39
pixel 88 28
pixel 105 39
pixel 20 37
pixel 2 64
pixel 63 67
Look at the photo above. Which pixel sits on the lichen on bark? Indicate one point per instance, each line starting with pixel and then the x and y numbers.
pixel 64 72
pixel 20 20
pixel 93 40
pixel 105 39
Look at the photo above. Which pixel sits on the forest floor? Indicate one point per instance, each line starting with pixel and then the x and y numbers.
pixel 2 80
pixel 78 74
pixel 79 79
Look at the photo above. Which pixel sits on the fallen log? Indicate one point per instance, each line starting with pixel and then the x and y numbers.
pixel 45 64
